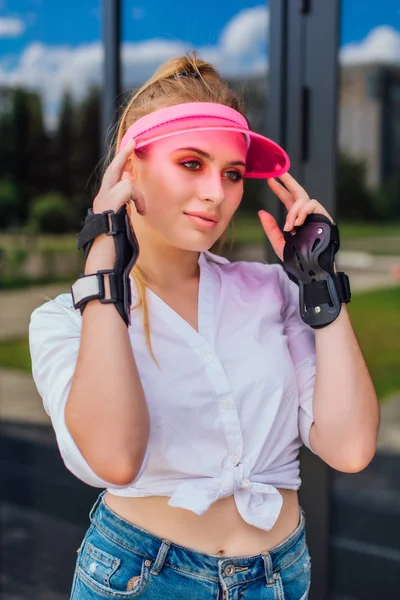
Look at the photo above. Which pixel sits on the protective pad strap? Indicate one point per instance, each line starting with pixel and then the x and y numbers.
pixel 317 293
pixel 107 222
pixel 127 251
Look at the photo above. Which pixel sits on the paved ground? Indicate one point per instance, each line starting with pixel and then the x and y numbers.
pixel 365 272
pixel 16 307
pixel 35 565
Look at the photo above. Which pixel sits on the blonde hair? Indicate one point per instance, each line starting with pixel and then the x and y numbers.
pixel 202 84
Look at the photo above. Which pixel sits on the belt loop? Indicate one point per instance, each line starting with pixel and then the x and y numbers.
pixel 268 568
pixel 96 504
pixel 302 517
pixel 161 556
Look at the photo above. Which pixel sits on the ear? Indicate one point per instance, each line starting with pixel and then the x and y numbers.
pixel 129 171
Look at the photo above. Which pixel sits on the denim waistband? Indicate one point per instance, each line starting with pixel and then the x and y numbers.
pixel 162 551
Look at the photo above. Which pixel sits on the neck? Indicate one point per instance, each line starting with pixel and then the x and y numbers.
pixel 167 268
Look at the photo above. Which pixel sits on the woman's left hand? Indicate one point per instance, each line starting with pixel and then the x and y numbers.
pixel 298 205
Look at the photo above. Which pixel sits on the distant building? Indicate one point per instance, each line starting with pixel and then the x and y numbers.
pixel 368 115
pixel 369 118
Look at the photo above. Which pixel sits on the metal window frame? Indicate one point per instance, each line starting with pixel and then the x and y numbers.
pixel 302 117
pixel 111 68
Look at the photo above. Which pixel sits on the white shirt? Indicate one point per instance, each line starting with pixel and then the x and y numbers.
pixel 232 404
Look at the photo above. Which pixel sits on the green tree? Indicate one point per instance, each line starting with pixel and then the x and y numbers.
pixel 50 213
pixel 386 199
pixel 87 153
pixel 24 146
pixel 354 198
pixel 63 148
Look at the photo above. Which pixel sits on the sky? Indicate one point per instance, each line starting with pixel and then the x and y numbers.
pixel 68 23
pixel 49 45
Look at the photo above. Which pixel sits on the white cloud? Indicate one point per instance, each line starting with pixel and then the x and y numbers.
pixel 244 39
pixel 241 51
pixel 381 45
pixel 141 59
pixel 50 72
pixel 11 27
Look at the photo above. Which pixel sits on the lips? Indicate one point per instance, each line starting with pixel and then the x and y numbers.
pixel 205 224
pixel 203 215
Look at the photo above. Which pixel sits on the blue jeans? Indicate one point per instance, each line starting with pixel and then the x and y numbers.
pixel 118 559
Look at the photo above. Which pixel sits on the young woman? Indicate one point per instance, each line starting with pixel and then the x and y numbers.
pixel 191 413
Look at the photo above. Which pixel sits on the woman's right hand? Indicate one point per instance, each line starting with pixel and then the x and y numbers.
pixel 116 190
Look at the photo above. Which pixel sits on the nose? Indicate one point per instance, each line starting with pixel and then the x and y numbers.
pixel 211 188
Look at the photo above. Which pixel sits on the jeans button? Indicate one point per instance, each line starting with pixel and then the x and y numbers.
pixel 229 570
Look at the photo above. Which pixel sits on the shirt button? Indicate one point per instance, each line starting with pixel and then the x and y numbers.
pixel 234 459
pixel 225 404
pixel 225 488
pixel 246 483
pixel 208 357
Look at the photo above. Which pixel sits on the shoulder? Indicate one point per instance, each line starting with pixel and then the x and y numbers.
pixel 55 312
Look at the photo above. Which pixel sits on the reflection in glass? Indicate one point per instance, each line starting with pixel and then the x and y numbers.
pixel 366 515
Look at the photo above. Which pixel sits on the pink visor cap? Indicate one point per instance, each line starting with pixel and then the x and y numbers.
pixel 264 157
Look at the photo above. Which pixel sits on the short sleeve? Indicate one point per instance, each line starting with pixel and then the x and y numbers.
pixel 301 342
pixel 54 338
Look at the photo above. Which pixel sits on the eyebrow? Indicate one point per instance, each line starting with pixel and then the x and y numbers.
pixel 206 155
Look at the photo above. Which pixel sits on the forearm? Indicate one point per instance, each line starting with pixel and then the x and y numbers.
pixel 346 409
pixel 106 410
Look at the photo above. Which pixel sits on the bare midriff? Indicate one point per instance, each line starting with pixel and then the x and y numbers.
pixel 221 531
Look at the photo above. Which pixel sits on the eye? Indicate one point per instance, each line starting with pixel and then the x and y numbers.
pixel 191 162
pixel 237 175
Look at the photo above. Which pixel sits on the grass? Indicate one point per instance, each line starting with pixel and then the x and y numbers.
pixel 379 238
pixel 17 283
pixel 14 354
pixel 375 318
pixel 66 242
pixel 248 230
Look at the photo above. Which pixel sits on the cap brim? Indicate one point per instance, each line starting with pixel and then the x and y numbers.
pixel 264 158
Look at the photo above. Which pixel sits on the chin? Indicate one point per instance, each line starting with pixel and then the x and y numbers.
pixel 194 242
pixel 196 246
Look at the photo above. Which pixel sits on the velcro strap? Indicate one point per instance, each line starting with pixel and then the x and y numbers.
pixel 96 223
pixel 317 293
pixel 342 284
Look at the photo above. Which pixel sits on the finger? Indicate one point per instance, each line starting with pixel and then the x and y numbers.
pixel 273 232
pixel 116 168
pixel 283 194
pixel 113 199
pixel 294 187
pixel 293 214
pixel 122 192
pixel 311 207
pixel 130 194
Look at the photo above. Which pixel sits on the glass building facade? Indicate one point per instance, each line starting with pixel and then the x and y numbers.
pixel 52 152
